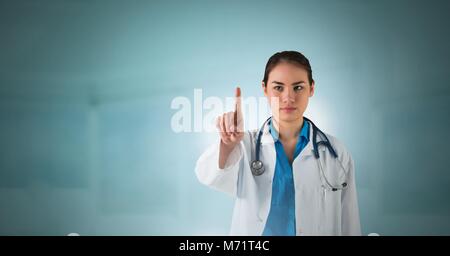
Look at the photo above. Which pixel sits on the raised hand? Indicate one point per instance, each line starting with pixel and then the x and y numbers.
pixel 230 124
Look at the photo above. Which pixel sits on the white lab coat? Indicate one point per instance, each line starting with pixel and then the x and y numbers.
pixel 318 211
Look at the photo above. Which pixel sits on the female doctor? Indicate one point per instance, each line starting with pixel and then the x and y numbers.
pixel 288 177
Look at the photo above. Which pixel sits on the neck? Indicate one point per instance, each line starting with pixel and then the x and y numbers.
pixel 288 130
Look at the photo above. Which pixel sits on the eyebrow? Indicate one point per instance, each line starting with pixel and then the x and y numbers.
pixel 296 83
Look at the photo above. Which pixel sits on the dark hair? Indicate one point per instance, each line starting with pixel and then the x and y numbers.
pixel 292 57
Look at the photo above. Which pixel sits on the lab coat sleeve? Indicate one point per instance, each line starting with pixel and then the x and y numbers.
pixel 208 171
pixel 350 212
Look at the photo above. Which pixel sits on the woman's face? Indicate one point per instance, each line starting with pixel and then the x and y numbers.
pixel 288 91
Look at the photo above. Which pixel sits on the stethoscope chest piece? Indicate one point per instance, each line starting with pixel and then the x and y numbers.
pixel 257 167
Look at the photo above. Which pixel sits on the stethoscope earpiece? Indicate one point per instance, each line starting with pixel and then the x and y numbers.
pixel 342 187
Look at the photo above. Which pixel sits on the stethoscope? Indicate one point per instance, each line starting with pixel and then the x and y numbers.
pixel 257 166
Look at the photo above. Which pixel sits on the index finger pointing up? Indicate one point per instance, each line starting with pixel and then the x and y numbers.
pixel 238 110
pixel 238 99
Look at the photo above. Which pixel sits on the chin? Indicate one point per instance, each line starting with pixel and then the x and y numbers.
pixel 289 118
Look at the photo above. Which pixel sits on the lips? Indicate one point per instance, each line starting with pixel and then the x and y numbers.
pixel 288 109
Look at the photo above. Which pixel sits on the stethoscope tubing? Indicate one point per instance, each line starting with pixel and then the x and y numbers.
pixel 257 167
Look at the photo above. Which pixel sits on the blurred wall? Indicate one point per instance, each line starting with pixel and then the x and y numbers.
pixel 85 107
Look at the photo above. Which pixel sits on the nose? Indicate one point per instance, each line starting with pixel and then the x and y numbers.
pixel 288 96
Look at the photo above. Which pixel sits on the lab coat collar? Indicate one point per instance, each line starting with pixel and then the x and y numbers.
pixel 276 135
pixel 267 138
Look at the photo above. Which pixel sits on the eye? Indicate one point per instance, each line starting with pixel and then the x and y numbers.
pixel 298 88
pixel 278 88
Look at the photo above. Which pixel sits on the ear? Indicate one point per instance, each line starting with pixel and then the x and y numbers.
pixel 311 89
pixel 264 87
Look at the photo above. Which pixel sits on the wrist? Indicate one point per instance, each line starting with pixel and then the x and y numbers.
pixel 227 147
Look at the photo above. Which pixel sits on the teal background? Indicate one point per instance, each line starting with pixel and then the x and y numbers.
pixel 86 87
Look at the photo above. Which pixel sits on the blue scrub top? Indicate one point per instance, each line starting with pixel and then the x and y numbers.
pixel 281 220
